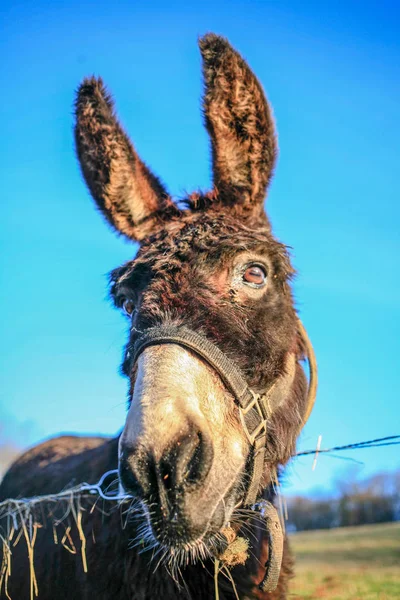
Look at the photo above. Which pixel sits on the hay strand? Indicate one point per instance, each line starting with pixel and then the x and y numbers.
pixel 21 518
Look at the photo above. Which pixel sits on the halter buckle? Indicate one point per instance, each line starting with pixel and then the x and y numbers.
pixel 261 429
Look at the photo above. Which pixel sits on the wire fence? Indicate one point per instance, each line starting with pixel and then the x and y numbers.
pixel 390 440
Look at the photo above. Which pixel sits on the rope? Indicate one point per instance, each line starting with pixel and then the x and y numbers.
pixel 313 372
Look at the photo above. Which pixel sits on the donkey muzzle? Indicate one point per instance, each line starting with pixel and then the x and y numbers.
pixel 163 475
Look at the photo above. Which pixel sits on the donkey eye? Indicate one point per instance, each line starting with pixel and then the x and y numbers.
pixel 128 307
pixel 255 275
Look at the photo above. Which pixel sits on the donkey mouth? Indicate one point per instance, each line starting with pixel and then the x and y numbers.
pixel 177 541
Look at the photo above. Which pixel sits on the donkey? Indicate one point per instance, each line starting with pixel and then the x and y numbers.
pixel 217 391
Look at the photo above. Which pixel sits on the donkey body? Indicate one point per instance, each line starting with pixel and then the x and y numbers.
pixel 212 267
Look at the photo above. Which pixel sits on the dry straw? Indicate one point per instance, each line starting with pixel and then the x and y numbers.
pixel 23 517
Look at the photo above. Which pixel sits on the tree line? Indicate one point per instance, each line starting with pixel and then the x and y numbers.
pixel 374 499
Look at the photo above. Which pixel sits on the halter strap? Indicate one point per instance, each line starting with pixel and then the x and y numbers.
pixel 255 409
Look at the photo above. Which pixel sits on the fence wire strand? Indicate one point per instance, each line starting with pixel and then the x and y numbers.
pixel 390 440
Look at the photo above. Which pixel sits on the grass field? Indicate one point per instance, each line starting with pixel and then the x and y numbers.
pixel 351 563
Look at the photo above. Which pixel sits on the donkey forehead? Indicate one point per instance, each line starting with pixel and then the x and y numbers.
pixel 202 240
pixel 204 232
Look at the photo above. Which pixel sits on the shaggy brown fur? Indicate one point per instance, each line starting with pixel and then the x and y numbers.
pixel 180 276
pixel 240 124
pixel 125 190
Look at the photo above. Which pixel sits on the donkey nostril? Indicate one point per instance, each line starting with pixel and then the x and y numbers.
pixel 138 472
pixel 193 470
pixel 197 459
pixel 186 463
pixel 166 475
pixel 152 482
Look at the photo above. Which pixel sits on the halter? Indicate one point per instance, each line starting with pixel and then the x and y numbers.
pixel 255 408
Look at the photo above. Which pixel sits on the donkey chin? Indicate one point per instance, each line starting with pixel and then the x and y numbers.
pixel 182 452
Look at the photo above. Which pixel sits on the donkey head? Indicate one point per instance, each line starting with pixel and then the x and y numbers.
pixel 210 267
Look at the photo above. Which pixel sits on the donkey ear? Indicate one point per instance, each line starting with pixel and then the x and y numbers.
pixel 239 121
pixel 127 193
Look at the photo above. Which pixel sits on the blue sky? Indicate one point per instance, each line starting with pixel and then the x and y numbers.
pixel 332 73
